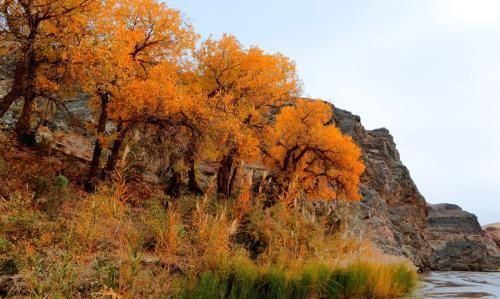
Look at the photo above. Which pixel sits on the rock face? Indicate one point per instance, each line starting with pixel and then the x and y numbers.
pixel 458 242
pixel 392 212
pixel 492 235
pixel 492 232
pixel 449 218
pixel 397 218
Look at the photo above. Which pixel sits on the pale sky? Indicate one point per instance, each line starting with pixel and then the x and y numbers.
pixel 428 70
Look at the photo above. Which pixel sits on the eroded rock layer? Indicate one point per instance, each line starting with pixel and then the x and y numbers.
pixel 393 212
pixel 458 242
pixel 397 218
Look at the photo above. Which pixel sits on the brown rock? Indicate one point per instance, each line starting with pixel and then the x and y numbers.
pixel 493 233
pixel 392 210
pixel 458 242
pixel 396 216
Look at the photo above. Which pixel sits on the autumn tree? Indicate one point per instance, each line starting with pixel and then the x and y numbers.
pixel 37 34
pixel 242 86
pixel 309 156
pixel 173 146
pixel 165 104
pixel 127 39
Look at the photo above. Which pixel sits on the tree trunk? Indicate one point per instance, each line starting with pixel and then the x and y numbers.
pixel 91 180
pixel 23 127
pixel 173 187
pixel 192 182
pixel 8 100
pixel 115 151
pixel 24 79
pixel 19 85
pixel 226 175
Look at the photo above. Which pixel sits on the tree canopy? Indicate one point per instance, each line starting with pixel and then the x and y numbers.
pixel 212 102
pixel 305 149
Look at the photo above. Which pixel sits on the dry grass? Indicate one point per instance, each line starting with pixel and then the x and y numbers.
pixel 103 247
pixel 110 245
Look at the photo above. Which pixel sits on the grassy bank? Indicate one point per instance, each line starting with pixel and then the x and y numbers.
pixel 130 241
pixel 103 246
pixel 361 279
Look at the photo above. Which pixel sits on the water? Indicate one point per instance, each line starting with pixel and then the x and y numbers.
pixel 459 285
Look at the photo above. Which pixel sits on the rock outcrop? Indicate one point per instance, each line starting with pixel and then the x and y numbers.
pixel 492 232
pixel 392 212
pixel 397 218
pixel 492 235
pixel 458 242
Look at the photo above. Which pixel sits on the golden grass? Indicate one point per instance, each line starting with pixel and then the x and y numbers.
pixel 102 246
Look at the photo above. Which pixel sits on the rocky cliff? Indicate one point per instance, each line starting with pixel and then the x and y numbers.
pixel 397 218
pixel 392 212
pixel 492 232
pixel 458 242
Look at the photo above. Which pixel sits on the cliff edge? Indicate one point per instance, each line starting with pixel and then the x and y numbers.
pixel 397 218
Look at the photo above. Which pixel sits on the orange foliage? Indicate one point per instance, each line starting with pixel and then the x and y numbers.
pixel 138 59
pixel 159 96
pixel 242 86
pixel 313 155
pixel 125 39
pixel 37 34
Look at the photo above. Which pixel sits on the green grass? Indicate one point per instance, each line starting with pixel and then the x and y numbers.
pixel 250 281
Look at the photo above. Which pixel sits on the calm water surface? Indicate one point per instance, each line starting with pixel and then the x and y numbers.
pixel 459 285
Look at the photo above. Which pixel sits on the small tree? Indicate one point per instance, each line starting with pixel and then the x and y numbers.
pixel 162 100
pixel 126 39
pixel 38 34
pixel 310 155
pixel 242 86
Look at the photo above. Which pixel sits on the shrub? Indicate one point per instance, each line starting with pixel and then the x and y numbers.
pixel 106 272
pixel 282 235
pixel 61 182
pixel 41 185
pixel 53 278
pixel 4 245
pixel 58 193
pixel 8 267
pixel 43 145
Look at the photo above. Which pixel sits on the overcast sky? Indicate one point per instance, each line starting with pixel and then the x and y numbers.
pixel 428 70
